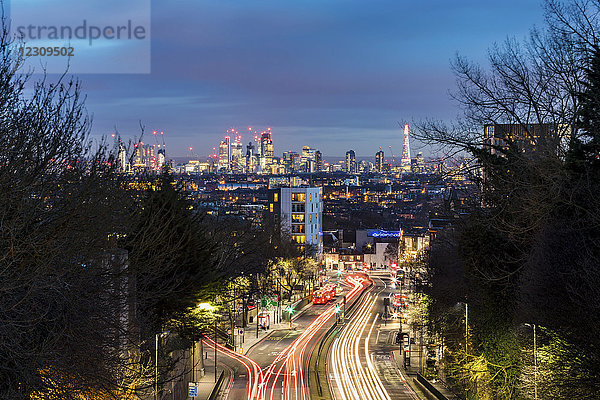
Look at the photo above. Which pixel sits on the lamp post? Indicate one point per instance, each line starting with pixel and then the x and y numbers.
pixel 211 308
pixel 156 361
pixel 215 350
pixel 535 370
pixel 466 328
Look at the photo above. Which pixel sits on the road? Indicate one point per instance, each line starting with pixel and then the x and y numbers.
pixel 286 375
pixel 361 365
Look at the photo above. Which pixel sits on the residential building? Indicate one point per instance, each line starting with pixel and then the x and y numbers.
pixel 299 210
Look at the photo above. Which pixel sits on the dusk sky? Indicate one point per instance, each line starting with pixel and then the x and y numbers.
pixel 331 74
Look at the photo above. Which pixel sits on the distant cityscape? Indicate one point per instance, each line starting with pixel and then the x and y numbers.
pixel 232 156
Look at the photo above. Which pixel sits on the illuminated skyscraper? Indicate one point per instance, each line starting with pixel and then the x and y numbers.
pixel 223 162
pixel 250 159
pixel 266 144
pixel 379 157
pixel 318 161
pixel 406 150
pixel 228 144
pixel 237 160
pixel 351 162
pixel 308 162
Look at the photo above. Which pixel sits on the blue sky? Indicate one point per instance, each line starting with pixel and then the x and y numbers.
pixel 331 74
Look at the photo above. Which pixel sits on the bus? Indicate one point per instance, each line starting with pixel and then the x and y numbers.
pixel 325 294
pixel 331 289
pixel 320 297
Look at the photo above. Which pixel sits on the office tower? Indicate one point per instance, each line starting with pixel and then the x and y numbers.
pixel 405 162
pixel 237 160
pixel 418 164
pixel 250 159
pixel 318 161
pixel 228 144
pixel 300 212
pixel 122 157
pixel 223 160
pixel 379 157
pixel 308 162
pixel 351 162
pixel 266 144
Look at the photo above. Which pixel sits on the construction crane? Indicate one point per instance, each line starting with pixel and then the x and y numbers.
pixel 193 154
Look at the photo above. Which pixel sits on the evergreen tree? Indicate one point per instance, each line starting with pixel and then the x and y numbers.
pixel 585 148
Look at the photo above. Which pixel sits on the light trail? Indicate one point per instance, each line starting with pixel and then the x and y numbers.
pixel 354 380
pixel 288 368
pixel 255 373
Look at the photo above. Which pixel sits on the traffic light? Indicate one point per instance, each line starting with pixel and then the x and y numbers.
pixel 337 308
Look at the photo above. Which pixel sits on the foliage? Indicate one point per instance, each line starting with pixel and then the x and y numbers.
pixel 528 252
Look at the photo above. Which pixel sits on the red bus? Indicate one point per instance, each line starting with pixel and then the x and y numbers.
pixel 320 297
pixel 331 290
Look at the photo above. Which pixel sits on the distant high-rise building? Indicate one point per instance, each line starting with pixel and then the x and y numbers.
pixel 122 157
pixel 307 162
pixel 237 159
pixel 351 162
pixel 291 160
pixel 318 161
pixel 228 144
pixel 266 144
pixel 379 157
pixel 250 159
pixel 405 162
pixel 223 161
pixel 418 164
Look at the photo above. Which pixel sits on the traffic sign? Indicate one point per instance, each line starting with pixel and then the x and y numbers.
pixel 192 389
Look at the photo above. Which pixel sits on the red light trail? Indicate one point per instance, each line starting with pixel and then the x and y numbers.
pixel 288 369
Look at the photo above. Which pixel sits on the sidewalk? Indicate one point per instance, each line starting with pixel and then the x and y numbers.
pixel 206 383
pixel 417 361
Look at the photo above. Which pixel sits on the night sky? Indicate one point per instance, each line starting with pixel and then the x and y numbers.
pixel 331 74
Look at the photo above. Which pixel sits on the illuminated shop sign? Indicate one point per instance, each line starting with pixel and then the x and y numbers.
pixel 385 234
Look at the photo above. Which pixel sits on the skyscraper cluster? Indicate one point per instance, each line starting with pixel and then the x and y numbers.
pixel 149 157
pixel 258 156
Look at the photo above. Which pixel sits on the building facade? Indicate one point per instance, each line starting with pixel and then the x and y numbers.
pixel 351 162
pixel 300 212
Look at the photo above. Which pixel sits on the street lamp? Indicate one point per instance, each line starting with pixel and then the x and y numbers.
pixel 211 308
pixel 161 334
pixel 535 371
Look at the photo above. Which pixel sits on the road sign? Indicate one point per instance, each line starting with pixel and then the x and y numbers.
pixel 192 389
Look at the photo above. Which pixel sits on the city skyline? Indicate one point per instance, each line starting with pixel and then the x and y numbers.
pixel 318 73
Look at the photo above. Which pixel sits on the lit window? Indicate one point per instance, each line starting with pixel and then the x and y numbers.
pixel 299 197
pixel 271 207
pixel 275 196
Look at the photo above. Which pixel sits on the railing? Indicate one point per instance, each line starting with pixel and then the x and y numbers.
pixel 432 389
pixel 217 387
